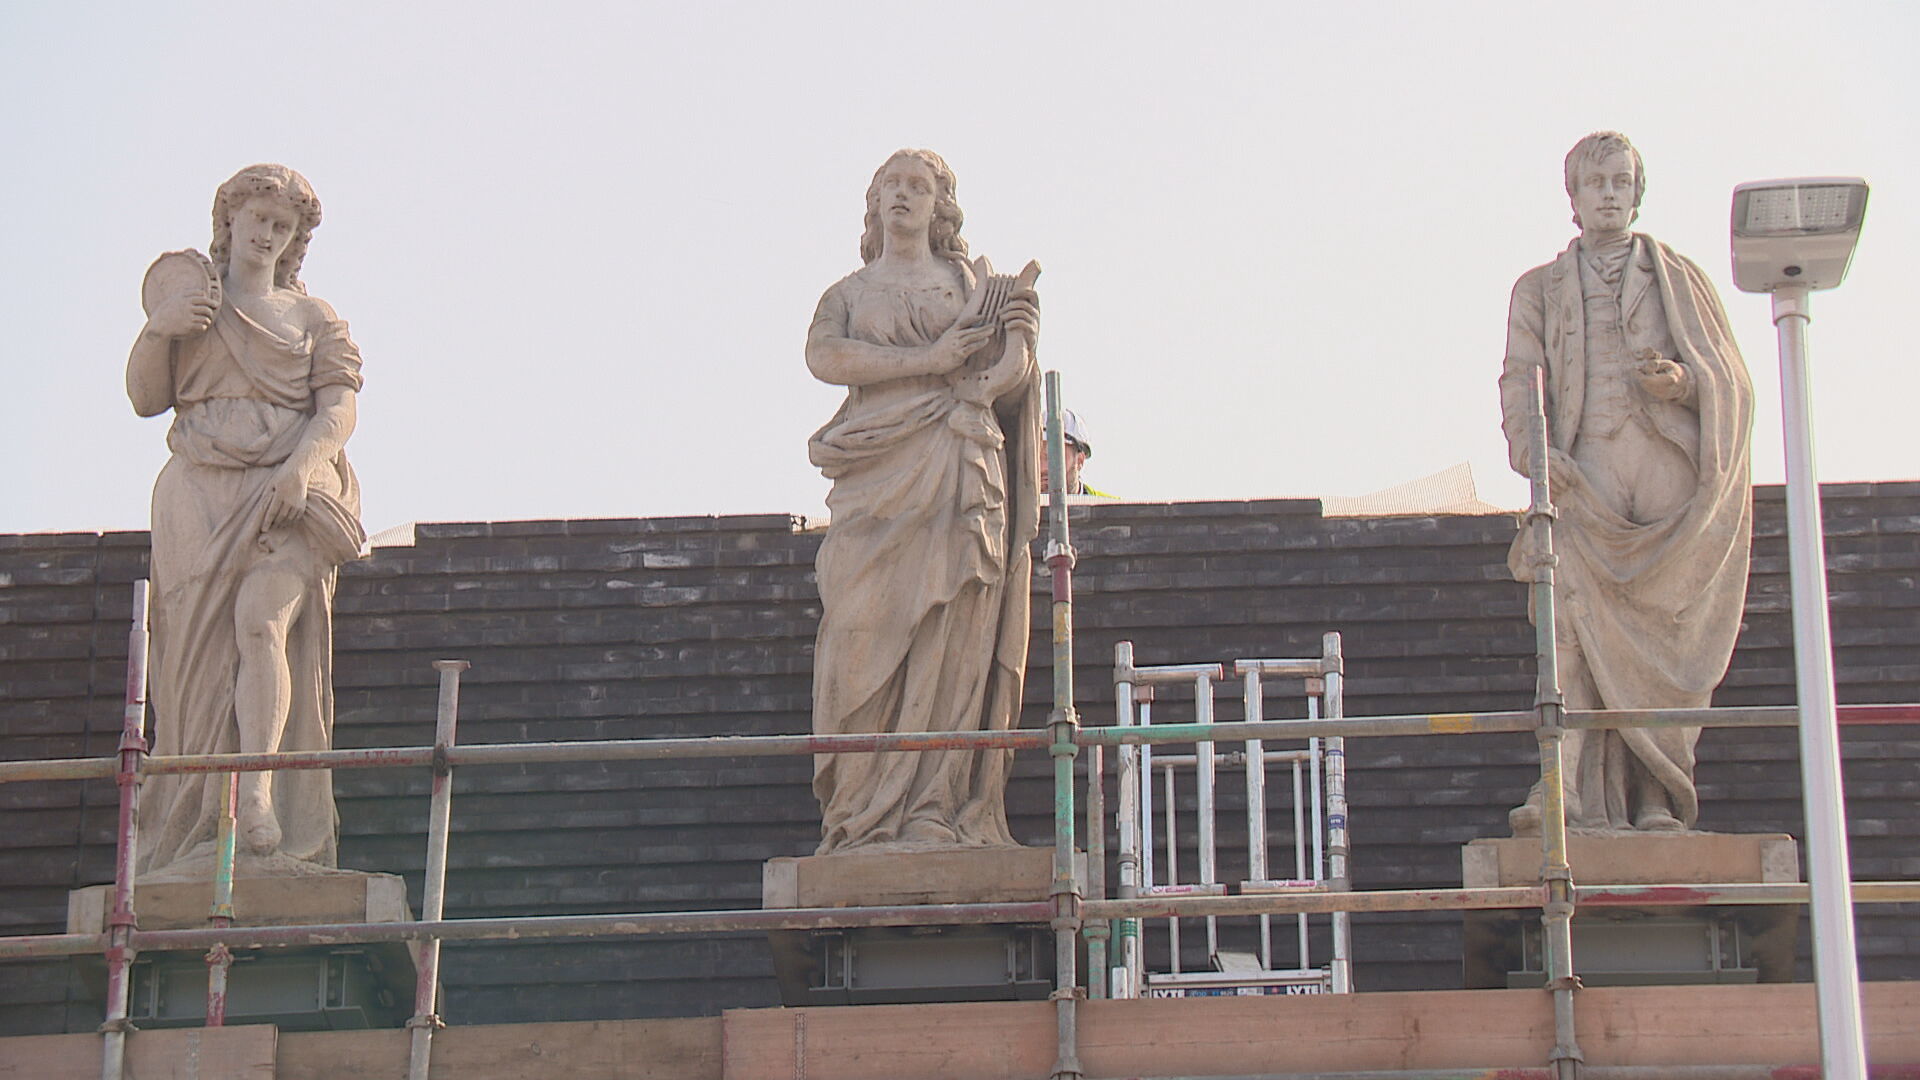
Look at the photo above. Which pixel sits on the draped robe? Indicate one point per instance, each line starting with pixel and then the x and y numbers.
pixel 242 398
pixel 924 582
pixel 1652 607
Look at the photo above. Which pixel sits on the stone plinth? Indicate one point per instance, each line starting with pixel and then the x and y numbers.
pixel 1638 859
pixel 1762 936
pixel 944 876
pixel 312 987
pixel 257 901
pixel 888 965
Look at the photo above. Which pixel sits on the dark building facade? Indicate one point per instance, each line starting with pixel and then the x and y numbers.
pixel 704 626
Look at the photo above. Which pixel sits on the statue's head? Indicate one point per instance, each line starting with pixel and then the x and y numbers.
pixel 1591 153
pixel 943 234
pixel 283 185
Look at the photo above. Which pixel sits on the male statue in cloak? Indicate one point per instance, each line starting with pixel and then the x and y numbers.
pixel 1649 412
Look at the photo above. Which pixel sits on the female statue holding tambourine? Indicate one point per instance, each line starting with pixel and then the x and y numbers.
pixel 252 517
pixel 924 572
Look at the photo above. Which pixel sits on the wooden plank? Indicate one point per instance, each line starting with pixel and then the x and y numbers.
pixel 1317 1033
pixel 55 1057
pixel 348 1055
pixel 1669 1025
pixel 1654 1025
pixel 244 1052
pixel 962 1041
pixel 1775 1024
pixel 676 1049
pixel 1155 1037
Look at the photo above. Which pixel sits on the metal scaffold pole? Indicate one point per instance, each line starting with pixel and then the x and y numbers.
pixel 1128 864
pixel 712 746
pixel 1557 914
pixel 220 958
pixel 1338 846
pixel 1063 724
pixel 122 923
pixel 426 1017
pixel 1251 706
pixel 1098 932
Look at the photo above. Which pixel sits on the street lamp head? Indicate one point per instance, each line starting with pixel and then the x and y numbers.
pixel 1796 232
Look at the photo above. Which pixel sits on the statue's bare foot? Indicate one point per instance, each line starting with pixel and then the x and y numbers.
pixel 1524 819
pixel 263 838
pixel 1657 819
pixel 259 829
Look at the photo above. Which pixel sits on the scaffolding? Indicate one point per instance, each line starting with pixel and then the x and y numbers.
pixel 1319 822
pixel 1075 909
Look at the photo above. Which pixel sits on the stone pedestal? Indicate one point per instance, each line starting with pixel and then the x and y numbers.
pixel 304 988
pixel 342 897
pixel 920 963
pixel 885 879
pixel 1638 945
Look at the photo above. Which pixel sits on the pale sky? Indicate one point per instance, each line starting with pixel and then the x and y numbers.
pixel 579 244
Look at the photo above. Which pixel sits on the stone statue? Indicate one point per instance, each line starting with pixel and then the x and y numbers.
pixel 925 571
pixel 252 516
pixel 1649 411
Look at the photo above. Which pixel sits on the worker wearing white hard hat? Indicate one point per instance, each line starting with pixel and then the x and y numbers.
pixel 1079 447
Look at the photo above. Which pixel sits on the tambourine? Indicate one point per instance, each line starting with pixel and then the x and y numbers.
pixel 179 273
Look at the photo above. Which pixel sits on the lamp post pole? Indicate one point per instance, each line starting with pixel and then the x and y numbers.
pixel 1843 1053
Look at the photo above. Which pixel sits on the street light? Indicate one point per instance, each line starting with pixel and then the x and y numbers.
pixel 1789 238
pixel 1796 232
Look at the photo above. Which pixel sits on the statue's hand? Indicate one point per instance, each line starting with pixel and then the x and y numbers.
pixel 1562 474
pixel 952 350
pixel 1022 312
pixel 1022 315
pixel 1661 378
pixel 182 316
pixel 1019 318
pixel 1015 365
pixel 286 497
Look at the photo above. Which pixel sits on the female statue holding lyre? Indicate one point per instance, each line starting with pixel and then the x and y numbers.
pixel 925 570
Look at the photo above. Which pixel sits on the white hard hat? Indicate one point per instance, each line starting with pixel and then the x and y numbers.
pixel 1075 430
